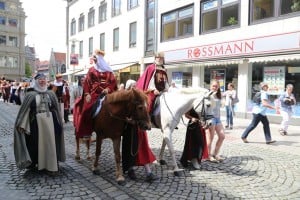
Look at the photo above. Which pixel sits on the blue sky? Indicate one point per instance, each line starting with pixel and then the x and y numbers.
pixel 45 26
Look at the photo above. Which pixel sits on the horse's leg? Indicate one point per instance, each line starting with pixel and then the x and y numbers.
pixel 77 155
pixel 168 140
pixel 119 173
pixel 161 153
pixel 95 168
pixel 88 144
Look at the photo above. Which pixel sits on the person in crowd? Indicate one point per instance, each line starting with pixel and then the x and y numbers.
pixel 287 101
pixel 135 148
pixel 259 115
pixel 230 95
pixel 216 125
pixel 154 80
pixel 121 86
pixel 38 130
pixel 66 101
pixel 99 81
pixel 195 146
pixel 6 91
pixel 58 88
pixel 76 92
pixel 173 87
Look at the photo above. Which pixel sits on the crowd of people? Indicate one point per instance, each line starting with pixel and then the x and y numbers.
pixel 45 105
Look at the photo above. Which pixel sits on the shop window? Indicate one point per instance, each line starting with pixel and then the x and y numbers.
pixel 102 12
pixel 177 23
pixel 218 14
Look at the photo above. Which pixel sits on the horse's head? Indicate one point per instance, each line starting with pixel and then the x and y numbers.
pixel 140 109
pixel 204 107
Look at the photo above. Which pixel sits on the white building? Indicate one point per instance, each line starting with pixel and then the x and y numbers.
pixel 244 42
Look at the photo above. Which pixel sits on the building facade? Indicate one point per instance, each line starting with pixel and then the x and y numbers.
pixel 243 42
pixel 12 39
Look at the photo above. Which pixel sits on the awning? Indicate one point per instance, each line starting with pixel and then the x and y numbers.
pixel 122 66
pixel 206 63
pixel 71 72
pixel 290 57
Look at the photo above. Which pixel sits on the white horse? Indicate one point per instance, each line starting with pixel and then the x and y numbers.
pixel 173 105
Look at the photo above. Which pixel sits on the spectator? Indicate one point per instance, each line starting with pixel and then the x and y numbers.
pixel 259 115
pixel 229 94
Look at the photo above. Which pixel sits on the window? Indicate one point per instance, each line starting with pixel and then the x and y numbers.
pixel 91 17
pixel 73 47
pixel 102 12
pixel 2 20
pixel 2 5
pixel 116 8
pixel 73 27
pixel 132 4
pixel 11 62
pixel 12 22
pixel 289 6
pixel 91 46
pixel 177 23
pixel 116 40
pixel 270 9
pixel 150 27
pixel 2 40
pixel 81 23
pixel 102 41
pixel 132 34
pixel 12 41
pixel 80 49
pixel 218 14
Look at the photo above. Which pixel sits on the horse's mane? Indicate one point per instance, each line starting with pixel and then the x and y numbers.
pixel 126 95
pixel 193 90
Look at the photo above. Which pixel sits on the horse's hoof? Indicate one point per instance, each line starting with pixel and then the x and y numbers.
pixel 96 172
pixel 122 183
pixel 178 172
pixel 77 157
pixel 162 162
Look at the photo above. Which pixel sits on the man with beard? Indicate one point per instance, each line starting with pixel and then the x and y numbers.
pixel 38 130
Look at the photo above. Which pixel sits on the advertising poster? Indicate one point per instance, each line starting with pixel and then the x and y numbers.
pixel 219 74
pixel 275 77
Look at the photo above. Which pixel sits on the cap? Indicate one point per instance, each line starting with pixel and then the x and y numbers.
pixel 39 75
pixel 58 75
pixel 98 51
pixel 263 84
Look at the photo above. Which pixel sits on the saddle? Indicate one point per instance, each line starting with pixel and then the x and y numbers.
pixel 155 115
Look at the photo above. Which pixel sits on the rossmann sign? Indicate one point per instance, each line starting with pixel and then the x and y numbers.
pixel 247 47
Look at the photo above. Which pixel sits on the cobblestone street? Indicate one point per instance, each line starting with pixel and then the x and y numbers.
pixel 250 171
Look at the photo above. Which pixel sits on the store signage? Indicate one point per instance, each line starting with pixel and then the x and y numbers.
pixel 275 77
pixel 247 47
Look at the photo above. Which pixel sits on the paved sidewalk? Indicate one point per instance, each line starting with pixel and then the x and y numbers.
pixel 250 171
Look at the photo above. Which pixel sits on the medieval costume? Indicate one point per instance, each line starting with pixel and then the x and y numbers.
pixel 195 147
pixel 38 130
pixel 58 88
pixel 99 80
pixel 66 101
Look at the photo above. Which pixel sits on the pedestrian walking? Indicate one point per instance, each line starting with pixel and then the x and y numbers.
pixel 38 130
pixel 287 101
pixel 259 115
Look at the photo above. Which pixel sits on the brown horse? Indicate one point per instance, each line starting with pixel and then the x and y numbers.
pixel 119 108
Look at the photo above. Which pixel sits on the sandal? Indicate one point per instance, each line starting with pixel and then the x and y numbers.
pixel 219 158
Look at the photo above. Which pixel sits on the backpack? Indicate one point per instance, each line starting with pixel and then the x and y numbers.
pixel 257 98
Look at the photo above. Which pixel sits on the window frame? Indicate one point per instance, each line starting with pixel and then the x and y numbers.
pixel 116 39
pixel 73 27
pixel 91 46
pixel 131 4
pixel 81 49
pixel 176 19
pixel 81 23
pixel 115 8
pixel 91 17
pixel 102 12
pixel 132 34
pixel 219 8
pixel 102 41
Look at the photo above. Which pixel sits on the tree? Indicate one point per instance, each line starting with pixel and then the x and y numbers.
pixel 28 71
